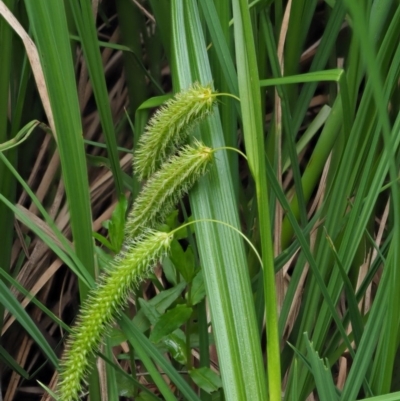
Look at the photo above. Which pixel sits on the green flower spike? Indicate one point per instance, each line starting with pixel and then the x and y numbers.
pixel 164 189
pixel 104 304
pixel 169 127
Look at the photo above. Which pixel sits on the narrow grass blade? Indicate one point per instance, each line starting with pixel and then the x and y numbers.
pixel 323 377
pixel 254 141
pixel 7 181
pixel 50 29
pixel 145 347
pixel 84 20
pixel 49 25
pixel 9 361
pixel 13 306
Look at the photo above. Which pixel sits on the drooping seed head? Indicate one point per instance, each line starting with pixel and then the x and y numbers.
pixel 104 304
pixel 169 127
pixel 164 189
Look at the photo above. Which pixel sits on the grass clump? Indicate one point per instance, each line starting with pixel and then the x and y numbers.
pixel 144 248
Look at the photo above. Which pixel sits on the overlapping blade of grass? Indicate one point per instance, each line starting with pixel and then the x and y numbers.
pixel 49 26
pixel 249 92
pixel 65 251
pixel 219 42
pixel 323 377
pixel 8 300
pixel 144 346
pixel 162 13
pixel 310 259
pixel 217 17
pixel 222 253
pixel 324 50
pixel 7 278
pixel 353 175
pixel 85 24
pixel 132 25
pixel 324 145
pixel 388 344
pixel 302 12
pixel 10 362
pixel 44 236
pixel 322 54
pixel 368 186
pixel 387 397
pixel 7 183
pixel 368 342
pixel 289 133
pixel 291 126
pixel 111 374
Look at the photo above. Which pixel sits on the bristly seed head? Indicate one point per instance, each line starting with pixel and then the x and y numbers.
pixel 104 304
pixel 169 127
pixel 144 248
pixel 164 189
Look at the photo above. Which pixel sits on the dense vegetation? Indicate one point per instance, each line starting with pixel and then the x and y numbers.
pixel 252 251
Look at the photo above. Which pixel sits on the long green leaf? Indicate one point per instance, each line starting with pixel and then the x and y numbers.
pixel 49 25
pixel 84 20
pixel 13 306
pixel 249 93
pixel 222 253
pixel 50 29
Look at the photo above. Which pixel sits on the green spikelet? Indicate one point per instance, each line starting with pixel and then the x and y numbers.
pixel 104 304
pixel 164 189
pixel 169 127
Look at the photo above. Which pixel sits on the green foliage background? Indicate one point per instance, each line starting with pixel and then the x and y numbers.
pixel 318 196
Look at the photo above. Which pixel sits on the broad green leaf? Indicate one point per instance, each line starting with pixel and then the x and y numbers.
pixel 146 350
pixel 150 311
pixel 249 92
pixel 160 302
pixel 183 260
pixel 197 290
pixel 175 344
pixel 206 379
pixel 170 321
pixel 117 224
pixel 49 25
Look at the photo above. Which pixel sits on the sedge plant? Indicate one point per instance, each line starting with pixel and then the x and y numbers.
pixel 144 247
pixel 334 244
